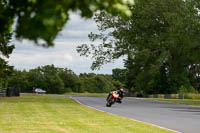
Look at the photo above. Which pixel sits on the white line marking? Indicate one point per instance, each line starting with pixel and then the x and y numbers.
pixel 123 116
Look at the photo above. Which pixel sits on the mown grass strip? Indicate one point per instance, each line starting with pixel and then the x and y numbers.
pixel 190 102
pixel 45 114
pixel 87 94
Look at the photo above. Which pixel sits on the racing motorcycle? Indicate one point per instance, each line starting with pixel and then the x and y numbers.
pixel 112 98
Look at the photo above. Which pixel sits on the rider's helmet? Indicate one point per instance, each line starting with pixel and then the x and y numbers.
pixel 121 90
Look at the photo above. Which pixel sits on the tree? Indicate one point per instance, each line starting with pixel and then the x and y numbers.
pixel 160 41
pixel 5 71
pixel 61 80
pixel 96 83
pixel 119 74
pixel 52 83
pixel 45 77
pixel 50 78
pixel 42 20
pixel 6 49
pixel 117 84
pixel 18 79
pixel 70 79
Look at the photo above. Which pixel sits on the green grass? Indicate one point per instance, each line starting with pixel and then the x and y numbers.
pixel 87 94
pixel 176 96
pixel 191 102
pixel 47 114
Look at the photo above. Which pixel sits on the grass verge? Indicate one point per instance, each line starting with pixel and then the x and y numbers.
pixel 87 94
pixel 190 102
pixel 47 114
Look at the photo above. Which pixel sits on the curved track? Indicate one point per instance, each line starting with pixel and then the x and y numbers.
pixel 181 118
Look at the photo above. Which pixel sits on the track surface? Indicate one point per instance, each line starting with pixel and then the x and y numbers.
pixel 181 118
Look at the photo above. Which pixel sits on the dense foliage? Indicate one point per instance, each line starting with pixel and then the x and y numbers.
pixel 5 47
pixel 62 80
pixel 160 42
pixel 42 20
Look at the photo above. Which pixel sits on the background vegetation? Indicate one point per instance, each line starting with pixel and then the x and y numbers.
pixel 160 44
pixel 159 41
pixel 62 80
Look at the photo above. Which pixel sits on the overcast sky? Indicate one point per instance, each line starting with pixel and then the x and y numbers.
pixel 26 55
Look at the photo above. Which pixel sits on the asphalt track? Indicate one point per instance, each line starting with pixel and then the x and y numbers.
pixel 181 118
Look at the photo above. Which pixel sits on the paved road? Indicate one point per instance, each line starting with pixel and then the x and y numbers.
pixel 181 118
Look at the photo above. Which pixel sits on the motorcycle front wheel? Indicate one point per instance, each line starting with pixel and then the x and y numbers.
pixel 108 104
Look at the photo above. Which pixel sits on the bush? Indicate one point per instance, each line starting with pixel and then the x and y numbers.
pixel 68 90
pixel 184 90
pixel 192 96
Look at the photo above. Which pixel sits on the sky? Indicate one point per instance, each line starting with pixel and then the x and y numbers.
pixel 27 55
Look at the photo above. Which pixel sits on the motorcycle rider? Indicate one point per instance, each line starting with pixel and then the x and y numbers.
pixel 121 95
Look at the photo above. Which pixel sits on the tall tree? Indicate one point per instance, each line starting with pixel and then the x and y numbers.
pixel 6 49
pixel 160 41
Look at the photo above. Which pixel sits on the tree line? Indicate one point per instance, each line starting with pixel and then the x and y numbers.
pixel 61 80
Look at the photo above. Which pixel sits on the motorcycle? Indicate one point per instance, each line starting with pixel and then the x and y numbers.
pixel 112 98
